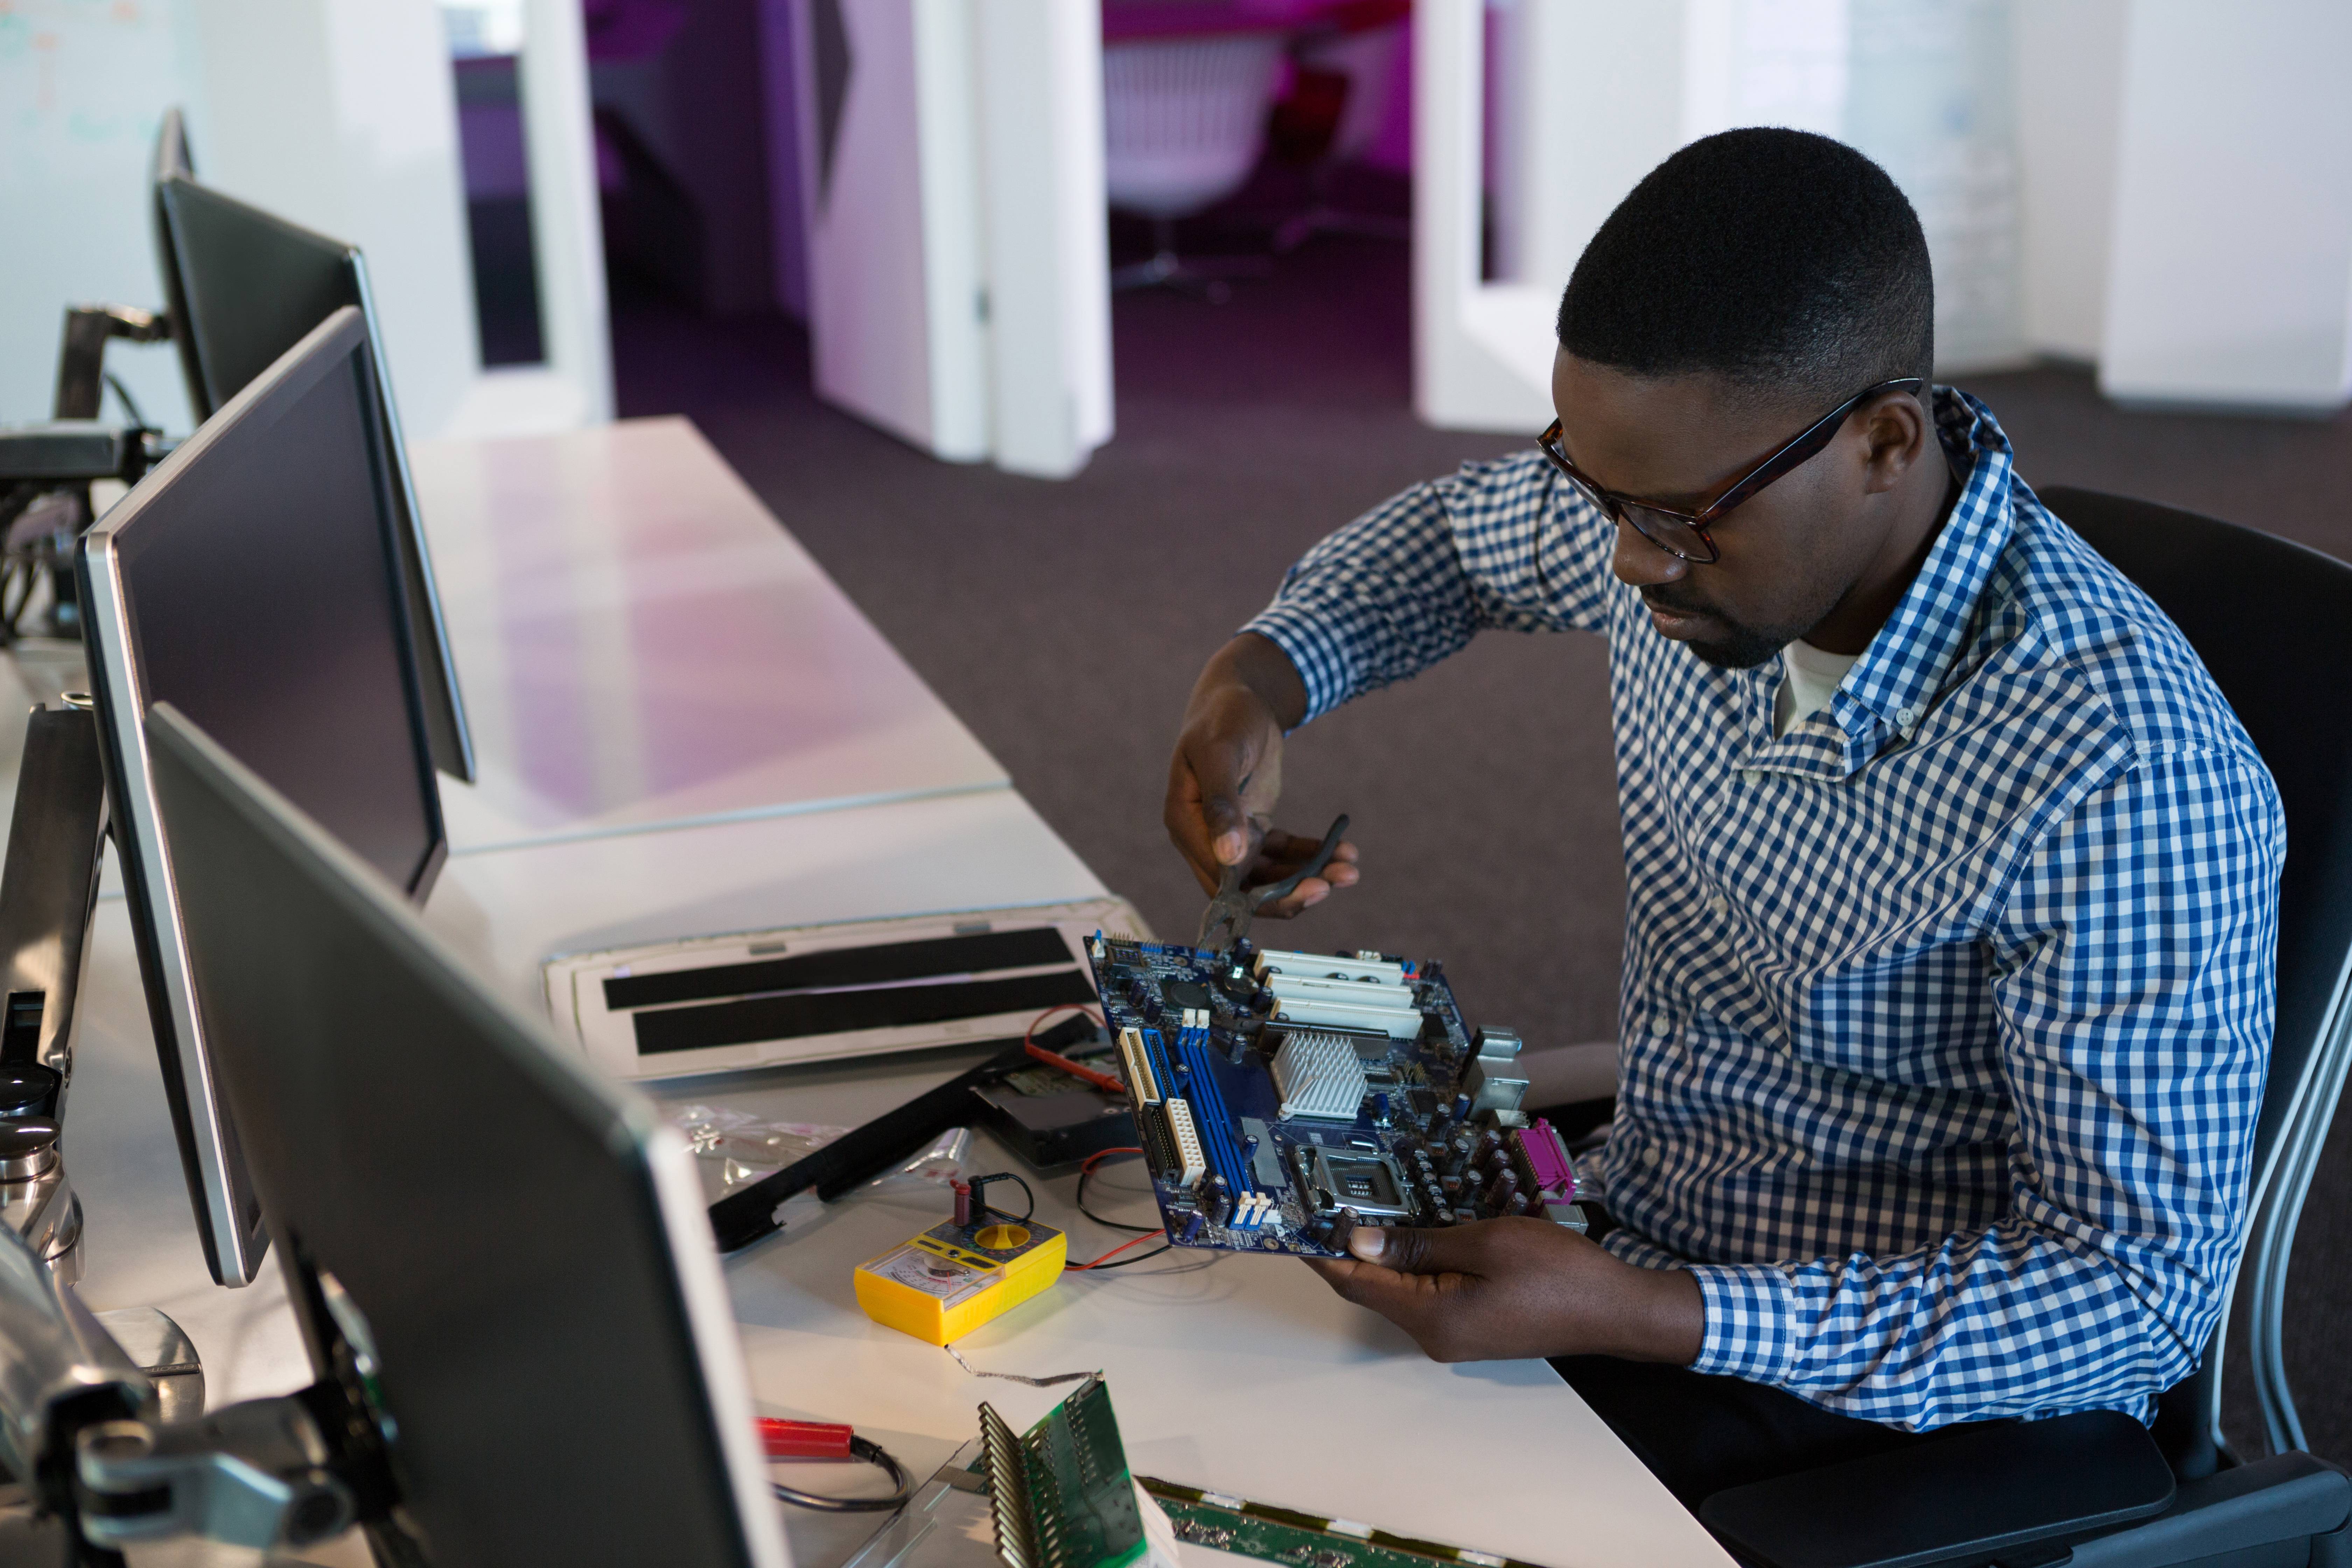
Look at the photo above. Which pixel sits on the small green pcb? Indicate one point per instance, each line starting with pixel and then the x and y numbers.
pixel 1061 1492
pixel 1299 1539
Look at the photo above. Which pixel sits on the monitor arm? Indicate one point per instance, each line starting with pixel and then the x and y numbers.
pixel 78 1423
pixel 259 1474
pixel 48 895
pixel 81 354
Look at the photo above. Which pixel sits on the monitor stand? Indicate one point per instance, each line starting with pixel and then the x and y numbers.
pixel 48 894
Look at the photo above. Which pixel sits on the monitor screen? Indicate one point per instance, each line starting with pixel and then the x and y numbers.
pixel 251 581
pixel 245 286
pixel 517 1246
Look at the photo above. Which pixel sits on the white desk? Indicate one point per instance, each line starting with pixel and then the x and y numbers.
pixel 640 643
pixel 1240 1373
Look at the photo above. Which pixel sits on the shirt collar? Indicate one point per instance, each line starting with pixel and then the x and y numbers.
pixel 1890 687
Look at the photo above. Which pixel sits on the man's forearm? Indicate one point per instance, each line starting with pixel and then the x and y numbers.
pixel 1258 664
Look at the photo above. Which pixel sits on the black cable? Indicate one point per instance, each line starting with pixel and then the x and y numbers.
pixel 1084 1172
pixel 129 402
pixel 872 1454
pixel 980 1205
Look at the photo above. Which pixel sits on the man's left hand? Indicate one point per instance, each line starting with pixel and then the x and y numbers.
pixel 1506 1289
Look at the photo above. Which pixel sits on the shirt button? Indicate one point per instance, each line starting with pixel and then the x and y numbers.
pixel 1905 716
pixel 1661 1027
pixel 1719 904
pixel 1650 1154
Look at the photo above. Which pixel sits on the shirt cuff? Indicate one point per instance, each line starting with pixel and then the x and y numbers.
pixel 1749 1311
pixel 1321 658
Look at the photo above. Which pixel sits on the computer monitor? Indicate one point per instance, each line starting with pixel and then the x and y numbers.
pixel 517 1246
pixel 250 578
pixel 244 287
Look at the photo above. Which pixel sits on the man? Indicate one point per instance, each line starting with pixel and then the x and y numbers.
pixel 1952 880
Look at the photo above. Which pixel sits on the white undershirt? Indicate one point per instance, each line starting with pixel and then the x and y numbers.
pixel 1811 680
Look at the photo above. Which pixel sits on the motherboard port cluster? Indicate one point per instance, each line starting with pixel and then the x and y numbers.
pixel 1284 1098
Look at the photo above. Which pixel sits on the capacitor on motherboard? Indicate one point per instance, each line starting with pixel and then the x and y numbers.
pixel 1518 1204
pixel 1505 1188
pixel 1461 1106
pixel 1380 1109
pixel 1342 1229
pixel 1488 1144
pixel 1193 1228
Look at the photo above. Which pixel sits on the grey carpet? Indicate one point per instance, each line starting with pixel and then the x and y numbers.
pixel 1065 622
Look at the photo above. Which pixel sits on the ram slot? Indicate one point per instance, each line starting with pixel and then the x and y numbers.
pixel 1217 1127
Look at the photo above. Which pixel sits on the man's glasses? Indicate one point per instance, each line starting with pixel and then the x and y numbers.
pixel 1684 534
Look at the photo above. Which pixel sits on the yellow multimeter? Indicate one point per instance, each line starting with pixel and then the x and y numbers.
pixel 956 1276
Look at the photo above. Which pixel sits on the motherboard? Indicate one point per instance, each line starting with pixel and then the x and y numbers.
pixel 1282 1098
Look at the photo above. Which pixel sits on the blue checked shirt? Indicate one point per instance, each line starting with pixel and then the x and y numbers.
pixel 1945 1014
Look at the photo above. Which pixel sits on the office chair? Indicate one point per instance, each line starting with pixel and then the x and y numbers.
pixel 2096 1488
pixel 1184 120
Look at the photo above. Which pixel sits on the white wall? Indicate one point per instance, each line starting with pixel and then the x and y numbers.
pixel 2231 282
pixel 82 101
pixel 1925 89
pixel 338 114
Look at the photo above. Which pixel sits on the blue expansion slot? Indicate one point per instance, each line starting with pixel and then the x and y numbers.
pixel 1157 1049
pixel 1215 1127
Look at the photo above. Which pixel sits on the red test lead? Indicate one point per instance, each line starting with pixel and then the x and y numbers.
pixel 803 1439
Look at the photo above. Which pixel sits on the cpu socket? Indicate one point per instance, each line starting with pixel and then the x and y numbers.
pixel 1368 1184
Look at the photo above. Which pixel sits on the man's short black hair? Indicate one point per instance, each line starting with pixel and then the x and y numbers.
pixel 1786 262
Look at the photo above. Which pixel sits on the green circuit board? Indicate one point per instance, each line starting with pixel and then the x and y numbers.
pixel 1299 1539
pixel 1061 1492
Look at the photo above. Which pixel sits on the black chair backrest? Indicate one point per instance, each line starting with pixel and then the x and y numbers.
pixel 2272 621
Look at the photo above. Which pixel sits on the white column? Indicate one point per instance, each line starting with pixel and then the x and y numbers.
pixel 340 115
pixel 572 385
pixel 2070 61
pixel 952 181
pixel 1041 120
pixel 566 216
pixel 2229 282
pixel 1483 352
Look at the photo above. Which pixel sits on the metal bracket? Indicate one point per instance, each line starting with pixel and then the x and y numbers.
pixel 48 895
pixel 81 353
pixel 255 1474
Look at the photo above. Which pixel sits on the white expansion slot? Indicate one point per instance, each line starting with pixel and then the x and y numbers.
pixel 1193 1165
pixel 1331 1013
pixel 1139 1066
pixel 1324 966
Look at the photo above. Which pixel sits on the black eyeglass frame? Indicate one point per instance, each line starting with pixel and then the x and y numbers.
pixel 1799 451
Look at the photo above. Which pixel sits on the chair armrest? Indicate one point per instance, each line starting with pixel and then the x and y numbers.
pixel 1981 1492
pixel 2287 1497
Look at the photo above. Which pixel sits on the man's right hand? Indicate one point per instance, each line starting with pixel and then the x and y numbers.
pixel 1226 775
